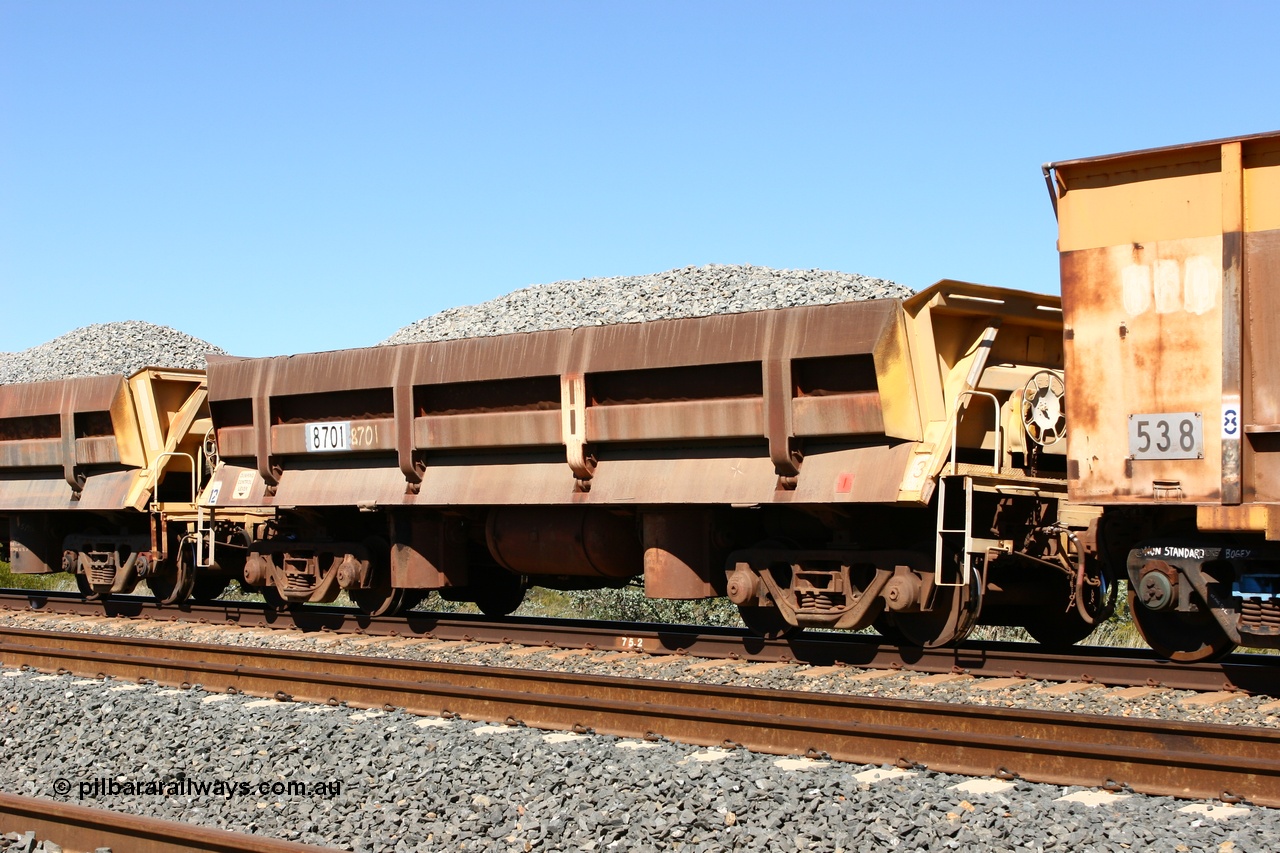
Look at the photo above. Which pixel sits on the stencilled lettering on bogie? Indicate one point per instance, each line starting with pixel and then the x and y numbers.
pixel 1175 551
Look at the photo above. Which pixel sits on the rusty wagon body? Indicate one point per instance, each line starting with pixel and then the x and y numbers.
pixel 1170 264
pixel 792 459
pixel 98 475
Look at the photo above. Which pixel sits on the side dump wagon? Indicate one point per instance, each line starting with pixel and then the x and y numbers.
pixel 1171 296
pixel 835 465
pixel 95 471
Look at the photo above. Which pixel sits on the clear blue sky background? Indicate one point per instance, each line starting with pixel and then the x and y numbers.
pixel 292 176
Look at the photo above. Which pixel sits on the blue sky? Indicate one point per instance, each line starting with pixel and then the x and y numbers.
pixel 292 176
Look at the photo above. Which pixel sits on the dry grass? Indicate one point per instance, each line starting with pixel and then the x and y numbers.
pixel 55 582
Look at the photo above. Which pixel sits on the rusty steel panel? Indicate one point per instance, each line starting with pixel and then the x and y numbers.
pixel 688 419
pixel 236 442
pixel 841 414
pixel 84 394
pixel 366 435
pixel 1179 245
pixel 728 338
pixel 31 453
pixel 869 474
pixel 35 489
pixel 352 485
pixel 525 478
pixel 1144 336
pixel 1262 353
pixel 665 476
pixel 97 450
pixel 496 429
pixel 49 490
pixel 1262 265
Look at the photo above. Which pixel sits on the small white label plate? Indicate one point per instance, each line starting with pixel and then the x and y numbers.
pixel 328 437
pixel 244 484
pixel 1167 435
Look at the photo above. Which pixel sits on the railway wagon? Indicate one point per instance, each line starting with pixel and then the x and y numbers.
pixel 1170 262
pixel 98 477
pixel 895 463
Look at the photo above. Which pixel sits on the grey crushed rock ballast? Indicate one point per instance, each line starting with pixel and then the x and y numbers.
pixel 686 292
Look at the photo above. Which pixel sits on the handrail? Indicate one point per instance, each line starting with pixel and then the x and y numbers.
pixel 197 474
pixel 955 428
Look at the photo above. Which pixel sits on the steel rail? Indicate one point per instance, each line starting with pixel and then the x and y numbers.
pixel 1252 673
pixel 1149 756
pixel 77 828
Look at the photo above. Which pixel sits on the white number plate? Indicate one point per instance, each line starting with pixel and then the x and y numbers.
pixel 1173 435
pixel 328 437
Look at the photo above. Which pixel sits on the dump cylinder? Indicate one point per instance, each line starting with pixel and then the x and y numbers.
pixel 578 541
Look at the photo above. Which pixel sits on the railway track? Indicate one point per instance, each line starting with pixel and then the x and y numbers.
pixel 1256 674
pixel 1148 756
pixel 76 828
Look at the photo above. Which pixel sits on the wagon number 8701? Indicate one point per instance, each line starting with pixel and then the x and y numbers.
pixel 338 436
pixel 1176 435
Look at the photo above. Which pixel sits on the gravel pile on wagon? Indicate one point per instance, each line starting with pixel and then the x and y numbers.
pixel 685 292
pixel 104 349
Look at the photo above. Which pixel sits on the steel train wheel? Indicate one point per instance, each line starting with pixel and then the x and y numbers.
pixel 954 613
pixel 499 593
pixel 1057 626
pixel 884 626
pixel 767 622
pixel 381 598
pixel 382 601
pixel 209 587
pixel 173 584
pixel 82 584
pixel 1057 630
pixel 1185 637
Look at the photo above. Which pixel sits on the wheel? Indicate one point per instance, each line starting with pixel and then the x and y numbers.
pixel 885 628
pixel 380 598
pixel 209 587
pixel 169 586
pixel 767 622
pixel 382 601
pixel 954 613
pixel 1056 629
pixel 173 582
pixel 270 597
pixel 82 584
pixel 1185 637
pixel 499 594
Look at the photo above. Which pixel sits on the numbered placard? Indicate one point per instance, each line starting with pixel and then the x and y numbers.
pixel 328 437
pixel 1169 435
